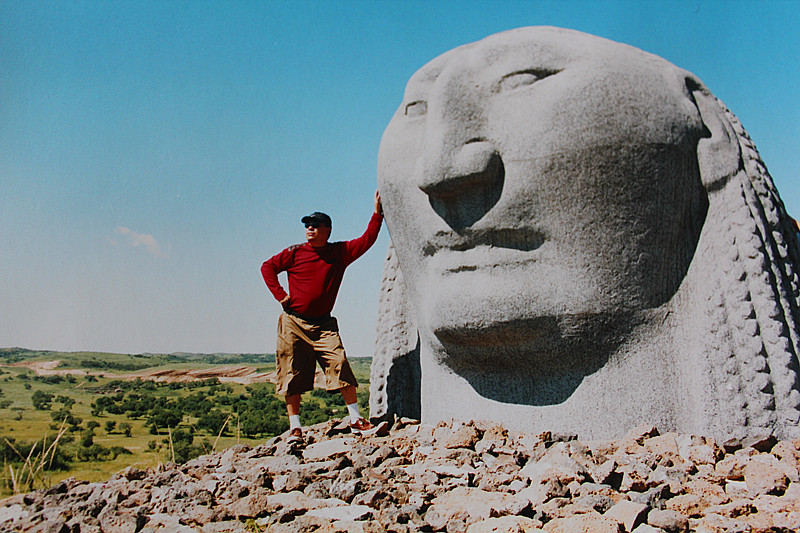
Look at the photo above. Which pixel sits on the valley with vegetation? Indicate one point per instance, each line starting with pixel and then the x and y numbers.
pixel 88 415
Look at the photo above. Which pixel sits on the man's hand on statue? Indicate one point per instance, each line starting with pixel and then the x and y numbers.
pixel 378 204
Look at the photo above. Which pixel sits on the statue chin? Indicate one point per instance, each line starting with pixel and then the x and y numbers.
pixel 518 341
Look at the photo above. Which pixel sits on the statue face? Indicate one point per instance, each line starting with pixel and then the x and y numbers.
pixel 538 182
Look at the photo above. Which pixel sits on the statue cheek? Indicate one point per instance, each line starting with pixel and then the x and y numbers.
pixel 399 161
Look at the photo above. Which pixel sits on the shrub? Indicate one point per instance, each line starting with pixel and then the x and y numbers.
pixel 312 412
pixel 14 452
pixel 330 397
pixel 94 452
pixel 67 416
pixel 87 438
pixel 119 450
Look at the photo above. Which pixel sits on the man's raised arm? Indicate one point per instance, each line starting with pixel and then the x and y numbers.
pixel 357 247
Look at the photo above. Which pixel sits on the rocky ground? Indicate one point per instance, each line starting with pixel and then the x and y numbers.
pixel 474 477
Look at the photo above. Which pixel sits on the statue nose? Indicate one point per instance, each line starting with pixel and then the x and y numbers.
pixel 475 164
pixel 465 188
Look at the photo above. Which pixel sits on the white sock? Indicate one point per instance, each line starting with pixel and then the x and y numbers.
pixel 355 414
pixel 294 421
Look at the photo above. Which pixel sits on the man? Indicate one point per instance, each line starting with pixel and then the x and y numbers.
pixel 307 333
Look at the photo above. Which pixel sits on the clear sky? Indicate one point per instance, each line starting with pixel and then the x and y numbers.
pixel 154 153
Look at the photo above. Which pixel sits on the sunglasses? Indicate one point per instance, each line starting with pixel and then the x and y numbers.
pixel 314 225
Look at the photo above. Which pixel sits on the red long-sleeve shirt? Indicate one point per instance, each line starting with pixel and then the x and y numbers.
pixel 315 274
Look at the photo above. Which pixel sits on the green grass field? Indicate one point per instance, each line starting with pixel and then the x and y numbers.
pixel 20 421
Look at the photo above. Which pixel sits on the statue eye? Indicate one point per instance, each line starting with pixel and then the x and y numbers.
pixel 522 78
pixel 416 108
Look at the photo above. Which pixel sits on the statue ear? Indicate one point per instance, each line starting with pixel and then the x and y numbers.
pixel 719 155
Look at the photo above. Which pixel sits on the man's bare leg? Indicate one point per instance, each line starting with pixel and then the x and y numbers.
pixel 293 404
pixel 351 400
pixel 349 395
pixel 293 409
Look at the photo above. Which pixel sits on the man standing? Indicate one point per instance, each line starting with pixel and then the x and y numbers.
pixel 307 333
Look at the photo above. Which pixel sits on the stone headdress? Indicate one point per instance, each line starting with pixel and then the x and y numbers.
pixel 747 258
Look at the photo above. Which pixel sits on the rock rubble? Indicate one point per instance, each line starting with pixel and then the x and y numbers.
pixel 471 477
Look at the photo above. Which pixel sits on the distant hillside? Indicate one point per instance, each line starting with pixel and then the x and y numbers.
pixel 130 361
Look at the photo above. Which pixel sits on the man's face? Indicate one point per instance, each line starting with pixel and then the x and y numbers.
pixel 540 178
pixel 317 234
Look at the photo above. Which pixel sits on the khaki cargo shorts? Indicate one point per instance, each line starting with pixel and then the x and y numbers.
pixel 303 344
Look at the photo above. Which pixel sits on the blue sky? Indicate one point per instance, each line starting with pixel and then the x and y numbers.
pixel 154 153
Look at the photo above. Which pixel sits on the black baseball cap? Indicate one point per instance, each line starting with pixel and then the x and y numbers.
pixel 319 218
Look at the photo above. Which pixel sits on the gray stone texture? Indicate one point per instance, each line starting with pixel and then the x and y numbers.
pixel 584 239
pixel 414 480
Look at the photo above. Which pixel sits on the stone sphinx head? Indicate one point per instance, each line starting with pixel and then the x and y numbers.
pixel 583 239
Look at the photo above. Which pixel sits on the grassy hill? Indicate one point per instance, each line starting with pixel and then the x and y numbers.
pixel 109 414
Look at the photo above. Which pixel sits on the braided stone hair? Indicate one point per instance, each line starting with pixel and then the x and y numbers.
pixel 752 342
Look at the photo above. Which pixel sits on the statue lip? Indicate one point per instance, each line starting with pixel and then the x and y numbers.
pixel 472 250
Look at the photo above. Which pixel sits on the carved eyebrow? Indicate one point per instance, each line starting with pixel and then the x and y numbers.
pixel 418 87
pixel 522 78
pixel 416 108
pixel 417 91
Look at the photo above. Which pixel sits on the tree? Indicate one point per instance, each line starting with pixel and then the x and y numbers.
pixel 119 450
pixel 363 400
pixel 66 401
pixel 66 415
pixel 110 424
pixel 181 446
pixel 163 418
pixel 100 404
pixel 94 452
pixel 261 412
pixel 87 438
pixel 125 428
pixel 195 404
pixel 213 421
pixel 41 400
pixel 256 423
pixel 313 412
pixel 12 451
pixel 331 398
